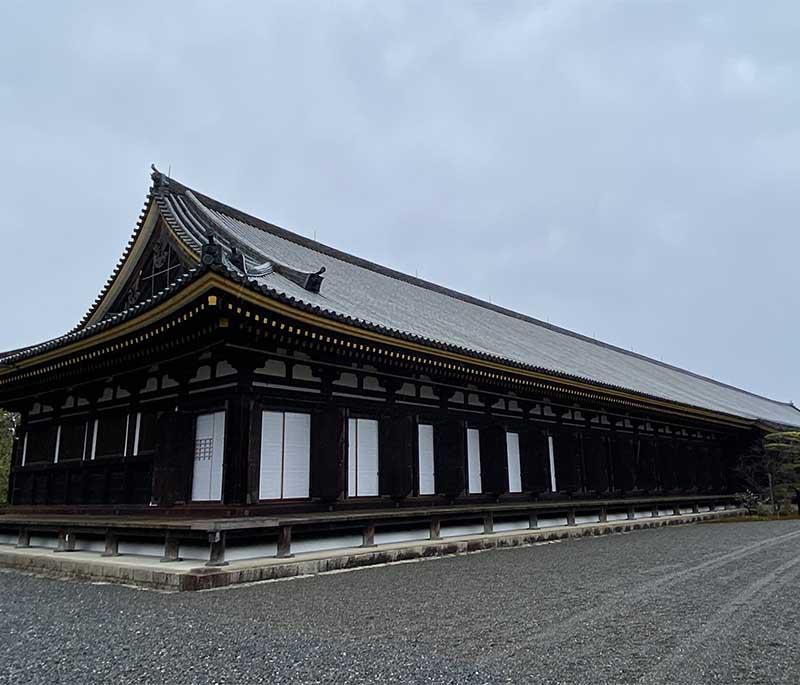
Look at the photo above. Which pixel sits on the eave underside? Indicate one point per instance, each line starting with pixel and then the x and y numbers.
pixel 232 302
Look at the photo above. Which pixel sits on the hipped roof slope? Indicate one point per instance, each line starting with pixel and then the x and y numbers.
pixel 378 297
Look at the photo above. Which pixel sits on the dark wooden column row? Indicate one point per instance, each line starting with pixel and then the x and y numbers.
pixel 589 458
pixel 397 449
pixel 328 453
pixel 174 457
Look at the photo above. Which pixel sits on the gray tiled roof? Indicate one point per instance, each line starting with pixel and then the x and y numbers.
pixel 376 295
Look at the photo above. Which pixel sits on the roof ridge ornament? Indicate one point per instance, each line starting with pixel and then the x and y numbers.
pixel 314 281
pixel 160 180
pixel 238 260
pixel 310 281
pixel 211 253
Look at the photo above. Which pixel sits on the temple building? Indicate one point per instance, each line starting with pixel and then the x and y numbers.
pixel 233 368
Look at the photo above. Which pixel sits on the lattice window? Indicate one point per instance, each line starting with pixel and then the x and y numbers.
pixel 204 448
pixel 160 267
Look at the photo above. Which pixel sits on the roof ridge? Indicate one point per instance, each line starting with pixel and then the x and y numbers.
pixel 335 253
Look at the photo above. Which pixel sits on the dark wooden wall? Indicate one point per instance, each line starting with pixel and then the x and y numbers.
pixel 594 454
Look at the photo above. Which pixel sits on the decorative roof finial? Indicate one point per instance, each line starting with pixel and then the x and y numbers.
pixel 211 254
pixel 314 281
pixel 159 179
pixel 237 259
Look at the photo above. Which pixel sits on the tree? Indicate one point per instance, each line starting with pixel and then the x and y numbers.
pixel 771 466
pixel 8 423
pixel 783 450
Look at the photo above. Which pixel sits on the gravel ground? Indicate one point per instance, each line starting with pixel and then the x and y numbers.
pixel 687 604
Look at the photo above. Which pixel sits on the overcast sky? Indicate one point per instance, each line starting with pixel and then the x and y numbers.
pixel 628 170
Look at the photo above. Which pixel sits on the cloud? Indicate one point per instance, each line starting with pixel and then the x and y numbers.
pixel 627 169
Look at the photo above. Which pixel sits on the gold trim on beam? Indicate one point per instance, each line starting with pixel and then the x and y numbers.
pixel 317 320
pixel 160 311
pixel 487 367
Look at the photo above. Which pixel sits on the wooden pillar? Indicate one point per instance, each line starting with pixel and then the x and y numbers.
pixel 691 458
pixel 570 517
pixel 594 456
pixel 450 456
pixel 647 479
pixel 19 435
pixel 494 459
pixel 435 528
pixel 239 422
pixel 397 436
pixel 328 453
pixel 704 466
pixel 216 554
pixel 623 458
pixel 174 457
pixel 284 542
pixel 173 460
pixel 172 548
pixel 84 494
pixel 24 538
pixel 112 545
pixel 534 460
pixel 631 513
pixel 603 517
pixel 449 448
pixel 238 419
pixel 14 489
pixel 666 462
pixel 718 475
pixel 56 400
pixel 133 384
pixel 368 535
pixel 533 520
pixel 488 523
pixel 66 541
pixel 566 448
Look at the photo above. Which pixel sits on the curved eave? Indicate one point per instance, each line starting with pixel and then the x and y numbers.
pixel 112 326
pixel 203 279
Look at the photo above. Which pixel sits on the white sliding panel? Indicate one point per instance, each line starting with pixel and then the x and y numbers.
pixel 296 455
pixel 58 444
pixel 127 432
pixel 362 461
pixel 209 447
pixel 427 476
pixel 94 437
pixel 136 434
pixel 474 461
pixel 514 471
pixel 271 480
pixel 285 455
pixel 352 457
pixel 552 463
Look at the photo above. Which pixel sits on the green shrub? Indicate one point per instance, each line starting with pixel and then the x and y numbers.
pixel 7 424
